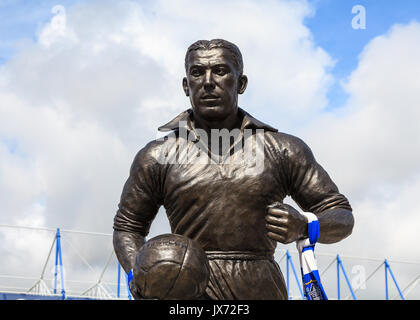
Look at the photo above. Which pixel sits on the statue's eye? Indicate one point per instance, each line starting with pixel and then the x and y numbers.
pixel 221 71
pixel 195 72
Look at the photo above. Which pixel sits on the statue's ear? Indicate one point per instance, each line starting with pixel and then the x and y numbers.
pixel 185 86
pixel 242 83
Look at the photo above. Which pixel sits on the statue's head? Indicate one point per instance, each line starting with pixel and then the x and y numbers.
pixel 214 78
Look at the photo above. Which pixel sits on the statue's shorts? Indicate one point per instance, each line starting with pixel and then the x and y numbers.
pixel 244 276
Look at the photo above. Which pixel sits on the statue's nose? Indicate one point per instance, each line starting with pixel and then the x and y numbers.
pixel 208 81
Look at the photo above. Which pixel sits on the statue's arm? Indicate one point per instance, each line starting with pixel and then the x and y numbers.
pixel 313 190
pixel 285 224
pixel 139 204
pixel 335 225
pixel 126 245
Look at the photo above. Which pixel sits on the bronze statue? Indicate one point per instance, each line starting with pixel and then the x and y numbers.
pixel 223 204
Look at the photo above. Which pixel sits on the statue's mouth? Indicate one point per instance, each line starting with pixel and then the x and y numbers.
pixel 210 97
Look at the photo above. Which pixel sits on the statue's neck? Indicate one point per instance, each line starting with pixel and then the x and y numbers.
pixel 231 122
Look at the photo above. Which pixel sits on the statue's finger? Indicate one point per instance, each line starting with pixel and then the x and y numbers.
pixel 278 212
pixel 276 237
pixel 276 220
pixel 276 229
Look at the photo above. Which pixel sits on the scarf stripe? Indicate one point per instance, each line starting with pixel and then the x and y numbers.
pixel 312 286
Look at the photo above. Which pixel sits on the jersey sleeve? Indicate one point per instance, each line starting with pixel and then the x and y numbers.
pixel 141 196
pixel 309 184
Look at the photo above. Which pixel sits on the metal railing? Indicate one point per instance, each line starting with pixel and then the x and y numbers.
pixel 102 287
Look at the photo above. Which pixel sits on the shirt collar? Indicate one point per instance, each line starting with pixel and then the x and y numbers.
pixel 184 119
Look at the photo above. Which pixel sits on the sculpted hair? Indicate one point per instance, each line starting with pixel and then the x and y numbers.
pixel 217 43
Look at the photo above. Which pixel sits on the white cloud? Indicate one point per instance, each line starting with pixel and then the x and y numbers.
pixel 82 99
pixel 371 147
pixel 288 73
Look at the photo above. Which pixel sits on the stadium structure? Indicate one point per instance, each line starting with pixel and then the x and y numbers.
pixel 80 265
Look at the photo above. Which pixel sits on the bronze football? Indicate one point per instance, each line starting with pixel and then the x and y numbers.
pixel 171 266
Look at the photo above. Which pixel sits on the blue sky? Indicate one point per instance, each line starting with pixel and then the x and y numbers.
pixel 20 20
pixel 332 30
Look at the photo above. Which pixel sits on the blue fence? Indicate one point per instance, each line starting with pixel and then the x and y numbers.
pixel 24 296
pixel 123 292
pixel 340 269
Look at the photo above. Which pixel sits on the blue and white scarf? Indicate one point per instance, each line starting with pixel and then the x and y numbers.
pixel 310 276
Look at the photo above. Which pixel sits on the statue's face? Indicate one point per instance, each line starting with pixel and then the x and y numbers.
pixel 213 83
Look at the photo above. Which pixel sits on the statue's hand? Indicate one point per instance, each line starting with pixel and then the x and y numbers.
pixel 285 224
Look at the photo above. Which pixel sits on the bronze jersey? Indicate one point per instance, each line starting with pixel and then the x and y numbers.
pixel 219 204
